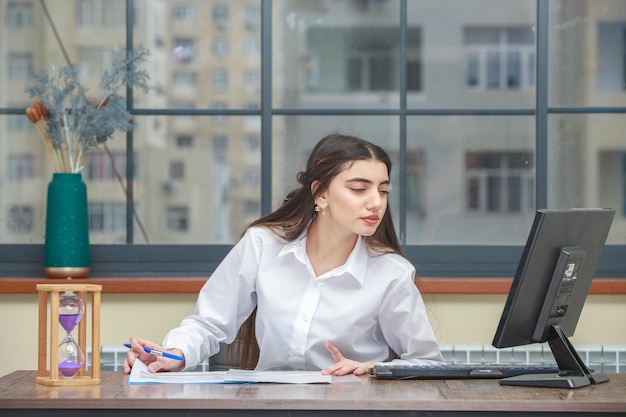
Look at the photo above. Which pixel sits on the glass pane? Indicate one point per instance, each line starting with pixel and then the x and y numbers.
pixel 587 165
pixel 587 38
pixel 340 54
pixel 473 177
pixel 198 181
pixel 474 60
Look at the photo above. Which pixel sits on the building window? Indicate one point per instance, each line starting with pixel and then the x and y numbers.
pixel 20 219
pixel 107 217
pixel 252 16
pixel 252 79
pixel 101 13
pixel 177 219
pixel 184 50
pixel 220 146
pixel 220 47
pixel 252 143
pixel 184 12
pixel 19 15
pixel 220 16
pixel 92 62
pixel 188 78
pixel 611 59
pixel 20 166
pixel 177 170
pixel 102 167
pixel 219 79
pixel 184 141
pixel 371 60
pixel 20 66
pixel 252 46
pixel 500 182
pixel 500 58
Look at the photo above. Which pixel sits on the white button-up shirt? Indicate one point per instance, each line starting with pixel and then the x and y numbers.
pixel 364 307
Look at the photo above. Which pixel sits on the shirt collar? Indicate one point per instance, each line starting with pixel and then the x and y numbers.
pixel 355 265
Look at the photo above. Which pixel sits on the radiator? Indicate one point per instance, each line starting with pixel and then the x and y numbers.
pixel 601 358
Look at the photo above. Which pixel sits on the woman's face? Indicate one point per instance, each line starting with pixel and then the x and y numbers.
pixel 356 198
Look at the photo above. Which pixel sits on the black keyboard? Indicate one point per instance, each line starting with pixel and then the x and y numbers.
pixel 493 371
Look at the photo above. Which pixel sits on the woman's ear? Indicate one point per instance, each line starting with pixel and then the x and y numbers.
pixel 314 186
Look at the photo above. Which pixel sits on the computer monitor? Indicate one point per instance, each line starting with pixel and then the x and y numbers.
pixel 549 289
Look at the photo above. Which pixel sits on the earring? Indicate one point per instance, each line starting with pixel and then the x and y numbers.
pixel 317 208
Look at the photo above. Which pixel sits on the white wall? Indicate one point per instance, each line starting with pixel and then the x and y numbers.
pixel 456 319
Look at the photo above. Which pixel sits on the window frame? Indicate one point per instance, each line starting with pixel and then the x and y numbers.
pixel 135 259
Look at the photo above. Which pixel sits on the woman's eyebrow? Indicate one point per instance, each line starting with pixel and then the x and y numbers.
pixel 367 181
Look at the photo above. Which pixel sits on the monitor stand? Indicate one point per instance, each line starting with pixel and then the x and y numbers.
pixel 573 373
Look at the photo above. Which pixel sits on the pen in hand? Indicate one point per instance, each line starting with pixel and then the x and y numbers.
pixel 159 353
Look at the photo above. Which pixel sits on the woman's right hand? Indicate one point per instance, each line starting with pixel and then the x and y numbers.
pixel 155 363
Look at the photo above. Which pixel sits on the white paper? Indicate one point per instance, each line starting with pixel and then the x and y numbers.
pixel 279 377
pixel 140 375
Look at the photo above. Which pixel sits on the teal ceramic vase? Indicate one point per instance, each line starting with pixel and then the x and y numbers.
pixel 67 252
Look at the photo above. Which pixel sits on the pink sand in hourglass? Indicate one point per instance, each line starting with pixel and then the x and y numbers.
pixel 69 368
pixel 69 321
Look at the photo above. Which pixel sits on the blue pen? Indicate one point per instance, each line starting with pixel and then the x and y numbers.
pixel 159 353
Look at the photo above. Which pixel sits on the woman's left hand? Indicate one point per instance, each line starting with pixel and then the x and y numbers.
pixel 343 366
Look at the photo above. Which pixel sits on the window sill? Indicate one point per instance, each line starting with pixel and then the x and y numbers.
pixel 191 285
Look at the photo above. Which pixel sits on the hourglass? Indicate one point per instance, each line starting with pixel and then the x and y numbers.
pixel 71 358
pixel 67 313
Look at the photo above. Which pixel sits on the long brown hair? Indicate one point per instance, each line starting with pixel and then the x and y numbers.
pixel 329 157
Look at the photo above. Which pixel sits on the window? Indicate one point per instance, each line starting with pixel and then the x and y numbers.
pixel 500 182
pixel 102 167
pixel 252 46
pixel 611 46
pixel 177 219
pixel 20 219
pixel 252 79
pixel 187 78
pixel 220 47
pixel 360 59
pixel 500 58
pixel 177 170
pixel 219 79
pixel 93 61
pixel 184 141
pixel 184 50
pixel 101 13
pixel 184 12
pixel 20 65
pixel 450 92
pixel 220 16
pixel 20 167
pixel 107 217
pixel 19 15
pixel 252 16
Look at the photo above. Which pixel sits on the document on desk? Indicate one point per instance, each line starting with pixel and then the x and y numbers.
pixel 279 377
pixel 140 375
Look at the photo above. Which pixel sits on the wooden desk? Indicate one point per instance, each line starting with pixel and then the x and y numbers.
pixel 20 395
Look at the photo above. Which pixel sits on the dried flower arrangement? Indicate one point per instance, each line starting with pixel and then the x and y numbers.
pixel 71 123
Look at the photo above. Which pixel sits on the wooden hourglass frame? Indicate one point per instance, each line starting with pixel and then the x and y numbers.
pixel 52 292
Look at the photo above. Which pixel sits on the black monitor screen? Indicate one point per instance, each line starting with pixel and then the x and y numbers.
pixel 549 289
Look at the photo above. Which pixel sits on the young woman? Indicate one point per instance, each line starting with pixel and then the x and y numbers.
pixel 320 283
